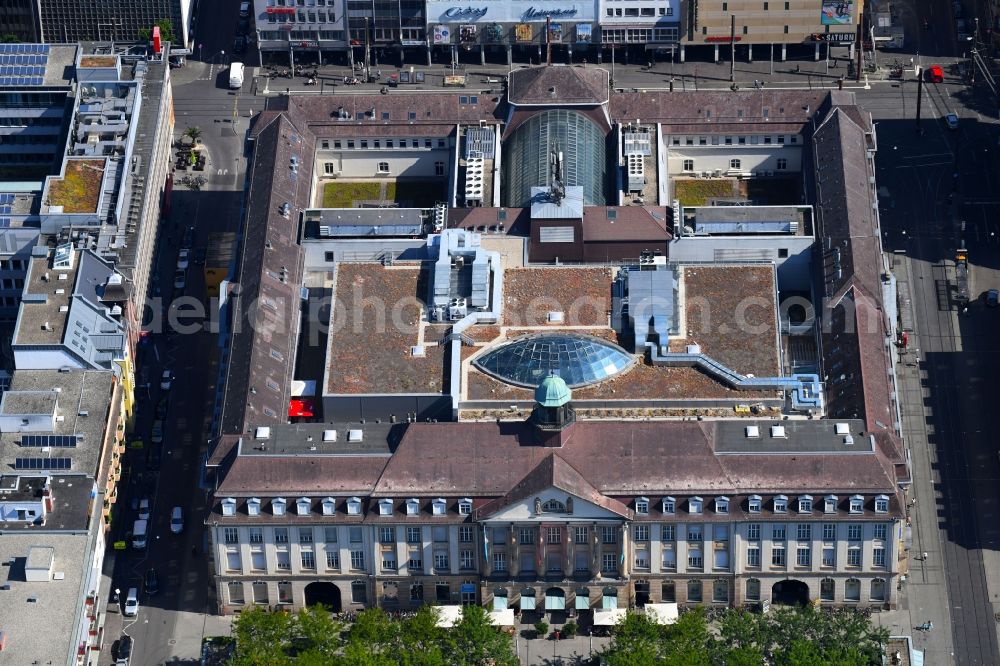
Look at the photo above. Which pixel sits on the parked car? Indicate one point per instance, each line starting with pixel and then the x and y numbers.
pixel 951 120
pixel 177 520
pixel 132 602
pixel 935 74
pixel 144 509
pixel 183 259
pixel 154 458
pixel 156 436
pixel 124 650
pixel 165 380
pixel 162 407
pixel 188 238
pixel 151 582
pixel 240 44
pixel 992 298
pixel 180 280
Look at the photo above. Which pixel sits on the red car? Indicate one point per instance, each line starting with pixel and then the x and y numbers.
pixel 934 74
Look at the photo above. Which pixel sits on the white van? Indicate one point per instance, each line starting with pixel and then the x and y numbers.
pixel 132 602
pixel 244 9
pixel 139 528
pixel 236 75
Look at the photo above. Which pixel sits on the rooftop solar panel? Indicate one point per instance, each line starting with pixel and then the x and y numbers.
pixel 43 463
pixel 56 441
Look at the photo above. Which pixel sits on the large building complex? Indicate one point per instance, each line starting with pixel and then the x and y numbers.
pixel 556 350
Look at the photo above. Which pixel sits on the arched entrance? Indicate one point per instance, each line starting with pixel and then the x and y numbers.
pixel 324 593
pixel 790 593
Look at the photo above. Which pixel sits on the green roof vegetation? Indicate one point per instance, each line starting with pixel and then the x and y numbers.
pixel 405 193
pixel 80 189
pixel 701 191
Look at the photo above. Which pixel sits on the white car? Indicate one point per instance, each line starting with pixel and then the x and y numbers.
pixel 144 509
pixel 951 120
pixel 132 603
pixel 165 380
pixel 183 259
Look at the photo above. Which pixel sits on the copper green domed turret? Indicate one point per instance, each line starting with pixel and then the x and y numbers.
pixel 553 392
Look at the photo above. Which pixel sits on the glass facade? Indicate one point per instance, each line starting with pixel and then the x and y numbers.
pixel 583 146
pixel 578 359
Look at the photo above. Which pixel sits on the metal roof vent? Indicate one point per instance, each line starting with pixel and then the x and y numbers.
pixel 418 351
pixel 848 440
pixel 355 435
pixel 753 432
pixel 262 432
pixel 842 429
pixel 694 349
pixel 778 431
pixel 556 317
pixel 329 435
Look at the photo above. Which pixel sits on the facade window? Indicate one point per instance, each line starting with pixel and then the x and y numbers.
pixel 734 163
pixel 753 532
pixel 256 534
pixel 355 534
pixel 694 533
pixel 688 165
pixel 753 589
pixel 753 504
pixel 641 532
pixel 826 589
pixel 525 535
pixel 694 591
pixel 308 559
pixel 780 504
pixel 642 559
pixel 415 561
pixel 464 507
pixel 278 506
pixel 669 505
pixel 383 167
pixel 231 534
pixel 803 556
pixel 412 507
pixel 857 504
pixel 385 507
pixel 387 535
pixel 284 592
pixel 580 535
pixel 804 532
pixel 229 507
pixel 881 504
pixel 694 505
pixel 499 561
pixel 389 560
pixel 695 558
pixel 439 534
pixel 305 535
pixel 829 556
pixel 642 505
pixel 553 535
pixel 805 504
pixel 329 168
pixel 332 560
pixel 782 163
pixel 830 504
pixel 777 555
pixel 233 560
pixel 357 560
pixel 235 593
pixel 302 506
pixel 354 506
pixel 440 560
pixel 438 507
pixel 878 557
pixel 880 531
pixel 330 534
pixel 465 534
pixel 668 532
pixel 280 535
pixel 668 591
pixel 609 534
pixel 609 563
pixel 359 592
pixel 668 559
pixel 852 590
pixel 283 559
pixel 329 504
pixel 854 532
pixel 854 556
pixel 720 592
pixel 777 532
pixel 753 556
pixel 720 533
pixel 878 590
pixel 722 505
pixel 829 531
pixel 417 592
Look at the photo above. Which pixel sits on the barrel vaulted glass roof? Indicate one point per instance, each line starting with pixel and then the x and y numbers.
pixel 578 359
pixel 528 151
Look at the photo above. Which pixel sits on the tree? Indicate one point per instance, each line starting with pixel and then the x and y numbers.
pixel 9 38
pixel 262 638
pixel 316 632
pixel 637 641
pixel 194 133
pixel 474 641
pixel 166 31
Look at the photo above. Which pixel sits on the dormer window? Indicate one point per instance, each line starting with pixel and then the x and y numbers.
pixel 229 507
pixel 753 504
pixel 413 507
pixel 253 506
pixel 669 505
pixel 385 507
pixel 857 504
pixel 438 507
pixel 695 505
pixel 278 506
pixel 722 505
pixel 464 506
pixel 354 506
pixel 830 504
pixel 553 506
pixel 881 504
pixel 805 504
pixel 642 505
pixel 781 504
pixel 329 506
pixel 302 506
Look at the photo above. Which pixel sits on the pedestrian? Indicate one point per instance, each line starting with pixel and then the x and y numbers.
pixel 924 558
pixel 798 68
pixel 835 62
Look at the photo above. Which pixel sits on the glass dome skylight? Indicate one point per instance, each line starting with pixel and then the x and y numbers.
pixel 578 359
